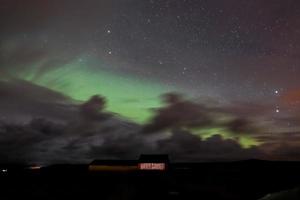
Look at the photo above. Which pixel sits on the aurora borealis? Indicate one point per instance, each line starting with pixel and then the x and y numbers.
pixel 128 96
pixel 229 73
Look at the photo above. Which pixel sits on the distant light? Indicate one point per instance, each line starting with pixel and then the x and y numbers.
pixel 4 170
pixel 277 110
pixel 110 52
pixel 108 31
pixel 35 167
pixel 276 91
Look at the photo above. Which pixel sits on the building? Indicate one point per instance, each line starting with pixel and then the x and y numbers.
pixel 145 163
pixel 113 165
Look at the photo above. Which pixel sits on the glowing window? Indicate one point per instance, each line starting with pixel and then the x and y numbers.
pixel 152 166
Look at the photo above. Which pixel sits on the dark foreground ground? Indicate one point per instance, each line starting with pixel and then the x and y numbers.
pixel 245 180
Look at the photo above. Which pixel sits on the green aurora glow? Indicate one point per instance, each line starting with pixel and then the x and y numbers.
pixel 245 140
pixel 127 96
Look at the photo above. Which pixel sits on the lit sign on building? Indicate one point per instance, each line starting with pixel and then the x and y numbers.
pixel 152 166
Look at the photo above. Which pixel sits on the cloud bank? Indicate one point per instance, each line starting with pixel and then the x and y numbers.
pixel 42 126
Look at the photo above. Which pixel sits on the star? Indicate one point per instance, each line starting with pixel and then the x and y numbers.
pixel 109 52
pixel 108 31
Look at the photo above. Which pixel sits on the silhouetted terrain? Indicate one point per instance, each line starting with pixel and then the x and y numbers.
pixel 244 180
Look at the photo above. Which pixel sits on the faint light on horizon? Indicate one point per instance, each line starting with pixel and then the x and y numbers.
pixel 35 167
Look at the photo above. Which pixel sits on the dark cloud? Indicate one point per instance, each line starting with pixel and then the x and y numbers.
pixel 178 113
pixel 24 143
pixel 128 147
pixel 185 146
pixel 70 132
pixel 93 108
pixel 15 89
pixel 21 100
pixel 45 142
pixel 182 113
pixel 240 125
pixel 58 130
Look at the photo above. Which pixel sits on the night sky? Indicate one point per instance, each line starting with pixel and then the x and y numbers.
pixel 200 80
